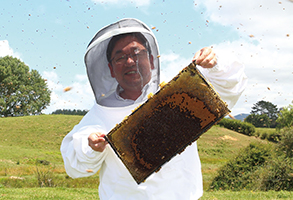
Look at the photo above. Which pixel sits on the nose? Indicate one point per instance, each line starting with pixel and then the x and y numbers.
pixel 130 60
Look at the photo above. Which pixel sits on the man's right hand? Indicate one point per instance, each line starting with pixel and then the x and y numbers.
pixel 97 141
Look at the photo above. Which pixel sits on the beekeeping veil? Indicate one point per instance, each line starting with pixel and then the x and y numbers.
pixel 96 59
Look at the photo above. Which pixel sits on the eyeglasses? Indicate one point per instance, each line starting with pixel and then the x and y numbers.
pixel 120 58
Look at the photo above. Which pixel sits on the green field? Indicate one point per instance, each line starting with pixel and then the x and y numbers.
pixel 86 194
pixel 31 166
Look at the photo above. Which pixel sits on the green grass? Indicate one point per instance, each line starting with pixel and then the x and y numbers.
pixel 24 138
pixel 260 131
pixel 24 141
pixel 49 193
pixel 247 195
pixel 86 193
pixel 268 130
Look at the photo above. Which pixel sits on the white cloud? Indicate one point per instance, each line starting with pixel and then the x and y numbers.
pixel 6 50
pixel 129 2
pixel 270 74
pixel 171 64
pixel 80 95
pixel 267 54
pixel 268 21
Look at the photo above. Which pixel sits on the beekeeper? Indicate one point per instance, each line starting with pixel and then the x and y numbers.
pixel 123 67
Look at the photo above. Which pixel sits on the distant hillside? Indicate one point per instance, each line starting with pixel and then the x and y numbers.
pixel 241 116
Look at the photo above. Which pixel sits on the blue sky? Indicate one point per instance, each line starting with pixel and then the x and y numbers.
pixel 52 36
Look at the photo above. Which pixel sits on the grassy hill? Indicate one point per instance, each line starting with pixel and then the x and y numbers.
pixel 26 139
pixel 27 142
pixel 217 146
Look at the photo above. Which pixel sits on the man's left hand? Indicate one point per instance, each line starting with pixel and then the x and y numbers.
pixel 205 57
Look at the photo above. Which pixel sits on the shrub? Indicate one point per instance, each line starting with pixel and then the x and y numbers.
pixel 45 176
pixel 257 133
pixel 236 174
pixel 274 136
pixel 285 117
pixel 264 135
pixel 260 166
pixel 286 141
pixel 276 175
pixel 269 134
pixel 238 126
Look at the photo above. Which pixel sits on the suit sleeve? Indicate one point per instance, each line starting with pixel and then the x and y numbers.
pixel 228 78
pixel 79 159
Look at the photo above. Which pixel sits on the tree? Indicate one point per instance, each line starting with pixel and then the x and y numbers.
pixel 258 120
pixel 285 118
pixel 266 108
pixel 22 92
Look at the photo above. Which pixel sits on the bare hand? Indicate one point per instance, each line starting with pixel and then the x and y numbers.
pixel 205 57
pixel 97 141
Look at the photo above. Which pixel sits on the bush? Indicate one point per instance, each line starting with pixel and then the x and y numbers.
pixel 286 141
pixel 274 136
pixel 264 136
pixel 260 166
pixel 285 117
pixel 276 175
pixel 236 174
pixel 269 134
pixel 238 126
pixel 45 176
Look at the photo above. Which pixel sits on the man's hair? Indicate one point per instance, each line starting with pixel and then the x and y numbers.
pixel 139 36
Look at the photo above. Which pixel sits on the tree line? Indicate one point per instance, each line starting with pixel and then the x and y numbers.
pixel 69 112
pixel 266 114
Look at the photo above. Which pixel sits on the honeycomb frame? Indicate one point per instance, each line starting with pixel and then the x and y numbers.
pixel 169 121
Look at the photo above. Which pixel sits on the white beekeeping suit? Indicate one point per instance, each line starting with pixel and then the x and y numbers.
pixel 180 178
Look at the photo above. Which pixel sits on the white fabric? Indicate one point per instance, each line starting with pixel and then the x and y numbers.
pixel 227 77
pixel 179 179
pixel 114 100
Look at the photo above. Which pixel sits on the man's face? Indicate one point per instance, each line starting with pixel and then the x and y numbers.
pixel 131 64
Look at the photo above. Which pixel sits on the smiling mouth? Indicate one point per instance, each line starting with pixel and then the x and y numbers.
pixel 131 72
